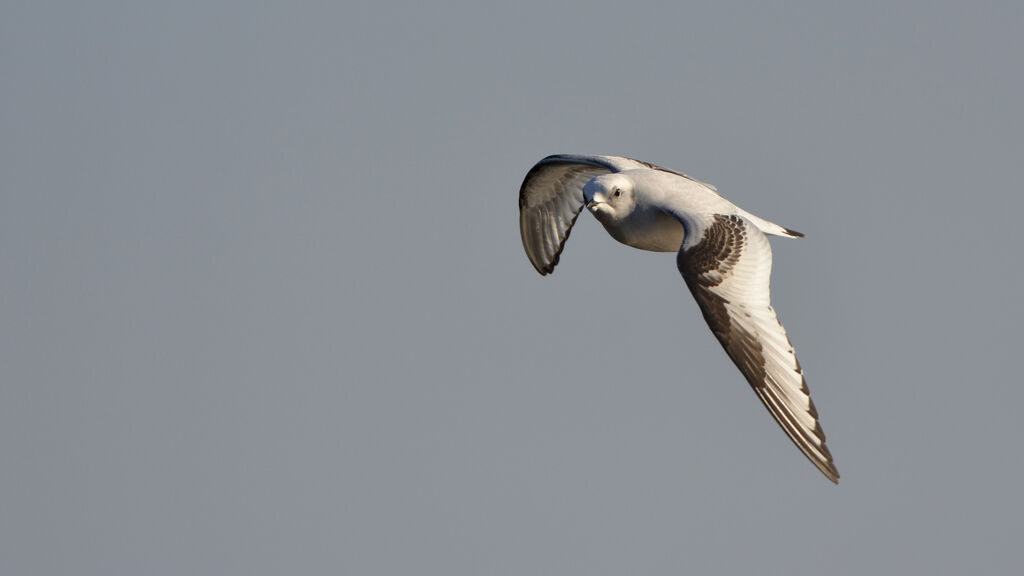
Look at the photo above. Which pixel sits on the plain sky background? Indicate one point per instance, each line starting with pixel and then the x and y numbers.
pixel 264 307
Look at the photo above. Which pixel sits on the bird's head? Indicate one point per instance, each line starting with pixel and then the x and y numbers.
pixel 609 197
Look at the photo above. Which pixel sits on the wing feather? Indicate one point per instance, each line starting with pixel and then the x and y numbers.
pixel 550 199
pixel 728 272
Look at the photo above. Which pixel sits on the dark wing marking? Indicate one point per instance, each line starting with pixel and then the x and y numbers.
pixel 551 198
pixel 728 273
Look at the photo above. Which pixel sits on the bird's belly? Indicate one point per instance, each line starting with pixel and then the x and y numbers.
pixel 657 233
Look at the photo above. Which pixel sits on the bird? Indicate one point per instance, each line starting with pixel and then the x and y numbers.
pixel 723 255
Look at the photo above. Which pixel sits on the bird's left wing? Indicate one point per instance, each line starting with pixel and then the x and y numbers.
pixel 551 198
pixel 727 269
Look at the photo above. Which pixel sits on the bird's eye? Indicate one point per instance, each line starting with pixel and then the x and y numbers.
pixel 617 192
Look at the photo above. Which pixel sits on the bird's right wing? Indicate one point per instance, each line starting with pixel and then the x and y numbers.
pixel 551 198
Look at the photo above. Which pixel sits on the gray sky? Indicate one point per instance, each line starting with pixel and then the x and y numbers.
pixel 265 308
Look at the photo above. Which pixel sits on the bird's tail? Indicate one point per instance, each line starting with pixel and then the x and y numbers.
pixel 770 227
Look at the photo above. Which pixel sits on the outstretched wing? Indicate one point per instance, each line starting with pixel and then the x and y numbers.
pixel 551 198
pixel 728 272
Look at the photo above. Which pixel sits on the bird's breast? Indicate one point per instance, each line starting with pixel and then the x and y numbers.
pixel 651 230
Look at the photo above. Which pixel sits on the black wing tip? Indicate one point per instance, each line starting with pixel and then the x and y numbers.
pixel 794 233
pixel 831 473
pixel 828 465
pixel 545 270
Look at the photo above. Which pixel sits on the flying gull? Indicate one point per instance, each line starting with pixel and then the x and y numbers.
pixel 723 256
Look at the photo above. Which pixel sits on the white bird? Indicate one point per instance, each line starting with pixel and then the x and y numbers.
pixel 723 255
